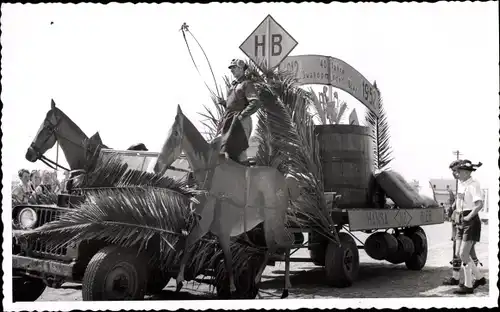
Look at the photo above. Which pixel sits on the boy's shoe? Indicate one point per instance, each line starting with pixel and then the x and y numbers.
pixel 451 281
pixel 462 290
pixel 479 282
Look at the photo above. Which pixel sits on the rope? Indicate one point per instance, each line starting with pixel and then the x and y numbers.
pixel 44 159
pixel 208 62
pixel 184 29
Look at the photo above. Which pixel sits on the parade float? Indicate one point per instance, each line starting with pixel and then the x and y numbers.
pixel 120 214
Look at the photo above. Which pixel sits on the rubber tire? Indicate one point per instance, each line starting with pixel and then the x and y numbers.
pixel 245 283
pixel 317 253
pixel 27 289
pixel 102 263
pixel 337 274
pixel 418 259
pixel 380 244
pixel 404 251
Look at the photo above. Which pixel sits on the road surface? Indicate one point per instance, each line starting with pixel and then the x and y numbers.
pixel 377 279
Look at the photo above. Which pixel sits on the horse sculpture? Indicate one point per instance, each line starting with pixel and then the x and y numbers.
pixel 58 127
pixel 236 198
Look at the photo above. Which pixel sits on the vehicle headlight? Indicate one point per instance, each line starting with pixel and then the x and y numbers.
pixel 27 218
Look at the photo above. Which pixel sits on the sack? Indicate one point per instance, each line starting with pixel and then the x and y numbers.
pixel 401 192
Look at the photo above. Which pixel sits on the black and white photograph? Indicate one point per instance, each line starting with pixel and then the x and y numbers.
pixel 259 156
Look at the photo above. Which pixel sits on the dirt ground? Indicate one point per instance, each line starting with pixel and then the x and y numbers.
pixel 377 279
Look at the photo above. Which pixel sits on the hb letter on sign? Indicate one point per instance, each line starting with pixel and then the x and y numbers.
pixel 276 44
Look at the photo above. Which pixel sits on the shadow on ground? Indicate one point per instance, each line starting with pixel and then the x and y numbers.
pixel 378 280
pixel 188 292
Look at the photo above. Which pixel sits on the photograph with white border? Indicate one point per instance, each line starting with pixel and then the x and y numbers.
pixel 200 156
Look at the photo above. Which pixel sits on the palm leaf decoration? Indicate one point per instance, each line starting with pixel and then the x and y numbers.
pixel 380 133
pixel 211 121
pixel 124 207
pixel 381 147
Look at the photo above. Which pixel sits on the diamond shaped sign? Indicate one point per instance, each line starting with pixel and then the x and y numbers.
pixel 269 44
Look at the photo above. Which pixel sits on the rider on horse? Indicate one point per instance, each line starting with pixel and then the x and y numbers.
pixel 236 124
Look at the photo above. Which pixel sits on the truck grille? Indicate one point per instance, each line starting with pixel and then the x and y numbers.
pixel 41 248
pixel 46 215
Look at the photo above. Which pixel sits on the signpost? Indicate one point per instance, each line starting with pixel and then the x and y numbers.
pixel 269 44
pixel 327 70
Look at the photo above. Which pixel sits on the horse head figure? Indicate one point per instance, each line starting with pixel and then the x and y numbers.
pixel 57 127
pixel 183 136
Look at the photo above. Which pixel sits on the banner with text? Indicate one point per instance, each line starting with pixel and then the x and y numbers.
pixel 327 70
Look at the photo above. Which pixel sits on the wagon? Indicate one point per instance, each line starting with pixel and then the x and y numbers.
pixel 356 204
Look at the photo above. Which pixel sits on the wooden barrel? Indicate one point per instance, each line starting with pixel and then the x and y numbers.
pixel 346 153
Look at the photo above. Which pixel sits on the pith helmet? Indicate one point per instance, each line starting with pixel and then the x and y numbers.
pixel 238 63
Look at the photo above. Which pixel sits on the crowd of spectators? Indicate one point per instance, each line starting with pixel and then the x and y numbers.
pixel 36 184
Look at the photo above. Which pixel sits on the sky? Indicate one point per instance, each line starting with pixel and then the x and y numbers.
pixel 122 69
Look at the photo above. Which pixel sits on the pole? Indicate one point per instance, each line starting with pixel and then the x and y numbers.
pixel 453 225
pixel 457 152
pixel 268 52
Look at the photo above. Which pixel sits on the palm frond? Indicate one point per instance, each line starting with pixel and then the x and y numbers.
pixel 123 206
pixel 380 133
pixel 125 217
pixel 212 119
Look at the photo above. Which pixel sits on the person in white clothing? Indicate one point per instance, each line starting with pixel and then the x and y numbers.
pixel 456 262
pixel 469 202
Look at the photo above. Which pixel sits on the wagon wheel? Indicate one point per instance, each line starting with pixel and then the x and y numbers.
pixel 419 257
pixel 246 288
pixel 342 262
pixel 115 273
pixel 404 251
